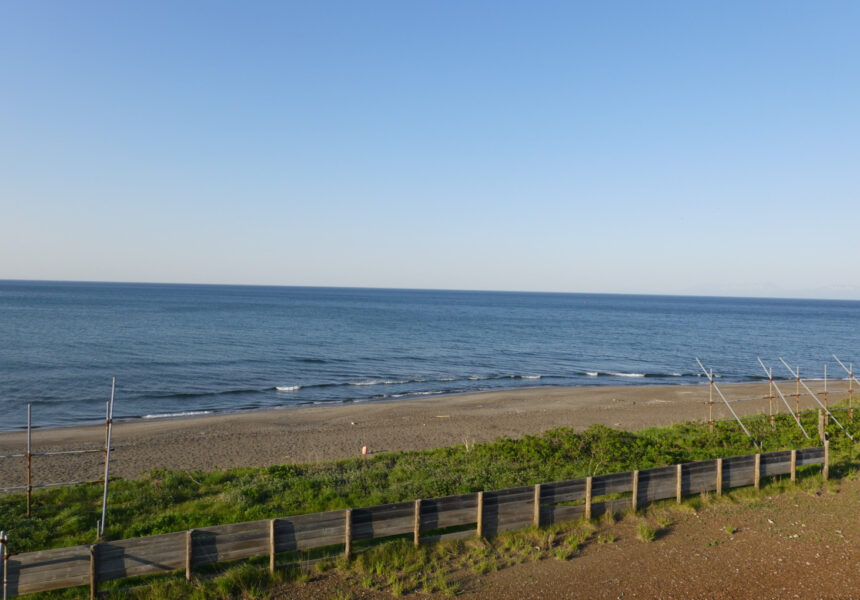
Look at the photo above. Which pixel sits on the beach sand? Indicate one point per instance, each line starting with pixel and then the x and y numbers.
pixel 319 433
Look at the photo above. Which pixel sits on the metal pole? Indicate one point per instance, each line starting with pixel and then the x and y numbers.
pixel 779 391
pixel 796 390
pixel 851 380
pixel 711 401
pixel 825 384
pixel 4 555
pixel 29 460
pixel 850 437
pixel 101 531
pixel 710 377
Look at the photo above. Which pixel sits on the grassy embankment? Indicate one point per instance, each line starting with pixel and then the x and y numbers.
pixel 173 501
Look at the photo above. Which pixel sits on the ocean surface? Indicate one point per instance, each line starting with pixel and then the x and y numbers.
pixel 196 349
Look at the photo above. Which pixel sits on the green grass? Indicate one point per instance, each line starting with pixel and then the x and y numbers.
pixel 645 532
pixel 166 501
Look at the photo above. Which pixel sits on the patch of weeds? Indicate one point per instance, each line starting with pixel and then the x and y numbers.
pixel 663 520
pixel 645 532
pixel 342 595
pixel 609 517
pixel 396 587
pixel 572 542
pixel 324 566
pixel 564 553
pixel 606 538
pixel 730 529
pixel 587 526
pixel 685 507
pixel 484 566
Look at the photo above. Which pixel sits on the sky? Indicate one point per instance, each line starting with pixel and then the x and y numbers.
pixel 703 148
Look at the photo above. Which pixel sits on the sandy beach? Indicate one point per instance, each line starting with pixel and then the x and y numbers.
pixel 320 433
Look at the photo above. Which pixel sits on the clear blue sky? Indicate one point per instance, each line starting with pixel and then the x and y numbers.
pixel 644 147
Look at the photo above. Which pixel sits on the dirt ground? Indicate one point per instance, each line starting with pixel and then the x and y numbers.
pixel 803 543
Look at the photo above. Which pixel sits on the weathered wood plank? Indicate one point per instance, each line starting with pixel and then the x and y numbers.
pixel 455 535
pixel 612 484
pixel 738 471
pixel 566 491
pixel 288 540
pixel 48 570
pixel 449 518
pixel 207 553
pixel 810 456
pixel 551 513
pixel 496 498
pixel 383 511
pixel 383 528
pixel 449 502
pixel 513 525
pixel 701 466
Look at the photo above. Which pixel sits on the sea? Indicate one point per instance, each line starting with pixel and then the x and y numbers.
pixel 183 350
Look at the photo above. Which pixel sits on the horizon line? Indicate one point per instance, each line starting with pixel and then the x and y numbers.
pixel 418 289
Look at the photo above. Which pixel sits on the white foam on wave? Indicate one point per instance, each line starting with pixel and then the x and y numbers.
pixel 405 394
pixel 591 373
pixel 386 381
pixel 288 388
pixel 628 374
pixel 189 413
pixel 531 376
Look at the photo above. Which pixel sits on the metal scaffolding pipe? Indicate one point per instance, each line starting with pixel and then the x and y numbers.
pixel 787 405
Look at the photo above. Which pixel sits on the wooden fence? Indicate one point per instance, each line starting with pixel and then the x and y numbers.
pixel 482 514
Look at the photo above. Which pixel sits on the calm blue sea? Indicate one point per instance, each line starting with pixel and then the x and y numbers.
pixel 179 349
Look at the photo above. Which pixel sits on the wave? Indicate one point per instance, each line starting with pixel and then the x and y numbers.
pixel 287 388
pixel 412 394
pixel 386 382
pixel 188 413
pixel 204 394
pixel 312 361
pixel 632 375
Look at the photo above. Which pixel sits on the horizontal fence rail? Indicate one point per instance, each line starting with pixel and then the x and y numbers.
pixel 481 514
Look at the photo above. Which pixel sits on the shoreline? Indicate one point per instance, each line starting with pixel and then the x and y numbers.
pixel 324 432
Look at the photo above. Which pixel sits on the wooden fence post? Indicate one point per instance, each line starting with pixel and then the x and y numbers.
pixel 272 527
pixel 94 572
pixel 820 424
pixel 678 481
pixel 347 538
pixel 634 498
pixel 719 477
pixel 189 553
pixel 480 530
pixel 825 468
pixel 416 534
pixel 757 472
pixel 536 514
pixel 588 497
pixel 793 466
